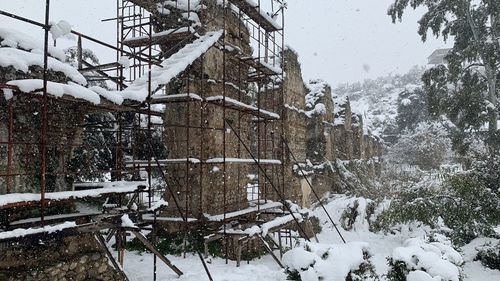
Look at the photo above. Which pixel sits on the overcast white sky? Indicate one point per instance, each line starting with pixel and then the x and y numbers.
pixel 337 40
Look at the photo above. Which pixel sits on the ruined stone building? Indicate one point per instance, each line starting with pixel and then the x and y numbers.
pixel 204 115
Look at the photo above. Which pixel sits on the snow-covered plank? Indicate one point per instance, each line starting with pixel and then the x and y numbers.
pixel 21 232
pixel 162 162
pixel 66 217
pixel 243 107
pixel 227 160
pixel 170 67
pixel 107 188
pixel 279 222
pixel 259 16
pixel 175 98
pixel 163 37
pixel 260 65
pixel 149 217
pixel 57 90
pixel 265 206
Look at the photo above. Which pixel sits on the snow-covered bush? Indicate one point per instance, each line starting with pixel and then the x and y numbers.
pixel 489 255
pixel 418 260
pixel 412 108
pixel 462 207
pixel 487 172
pixel 339 262
pixel 427 146
pixel 357 214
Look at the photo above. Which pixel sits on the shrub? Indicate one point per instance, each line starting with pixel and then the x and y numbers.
pixel 490 256
pixel 422 259
pixel 462 204
pixel 314 261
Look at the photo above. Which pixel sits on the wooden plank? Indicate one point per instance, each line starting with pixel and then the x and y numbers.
pixel 255 14
pixel 101 240
pixel 150 246
pixel 270 251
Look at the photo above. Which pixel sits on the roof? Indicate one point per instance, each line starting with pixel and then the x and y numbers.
pixel 437 57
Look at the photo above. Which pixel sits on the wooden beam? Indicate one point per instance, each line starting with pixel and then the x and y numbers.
pixel 270 251
pixel 150 246
pixel 101 240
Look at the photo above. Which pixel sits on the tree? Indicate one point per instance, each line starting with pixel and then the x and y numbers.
pixel 412 108
pixel 475 27
pixel 425 146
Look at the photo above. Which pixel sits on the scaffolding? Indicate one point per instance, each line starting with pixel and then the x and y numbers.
pixel 212 74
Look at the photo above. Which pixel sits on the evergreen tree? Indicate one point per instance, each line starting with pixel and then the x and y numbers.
pixel 412 108
pixel 474 59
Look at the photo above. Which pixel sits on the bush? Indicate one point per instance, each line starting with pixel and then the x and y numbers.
pixel 426 146
pixel 490 256
pixel 173 244
pixel 420 259
pixel 316 225
pixel 462 204
pixel 314 261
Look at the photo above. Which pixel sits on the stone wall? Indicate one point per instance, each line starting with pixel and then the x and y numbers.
pixel 295 126
pixel 64 135
pixel 68 258
pixel 203 186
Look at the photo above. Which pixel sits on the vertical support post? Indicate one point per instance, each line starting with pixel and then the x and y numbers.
pixel 10 145
pixel 149 134
pixel 224 177
pixel 238 254
pixel 79 52
pixel 187 190
pixel 43 133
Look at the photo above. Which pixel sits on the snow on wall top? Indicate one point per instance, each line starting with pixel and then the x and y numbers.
pixel 15 39
pixel 56 89
pixel 22 60
pixel 316 91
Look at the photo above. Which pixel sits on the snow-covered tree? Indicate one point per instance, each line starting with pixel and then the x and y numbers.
pixel 474 59
pixel 412 108
pixel 427 146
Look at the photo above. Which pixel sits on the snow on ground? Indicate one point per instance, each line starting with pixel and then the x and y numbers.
pixel 140 266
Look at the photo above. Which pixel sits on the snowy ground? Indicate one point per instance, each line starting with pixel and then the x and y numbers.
pixel 140 266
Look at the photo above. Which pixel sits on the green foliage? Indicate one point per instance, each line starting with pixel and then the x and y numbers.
pixel 462 204
pixel 293 275
pixel 178 243
pixel 487 172
pixel 253 254
pixel 316 226
pixel 412 108
pixel 472 72
pixel 366 271
pixel 490 256
pixel 425 146
pixel 96 153
pixel 397 270
pixel 460 99
pixel 135 245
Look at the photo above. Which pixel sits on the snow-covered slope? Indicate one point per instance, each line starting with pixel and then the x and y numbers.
pixel 376 99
